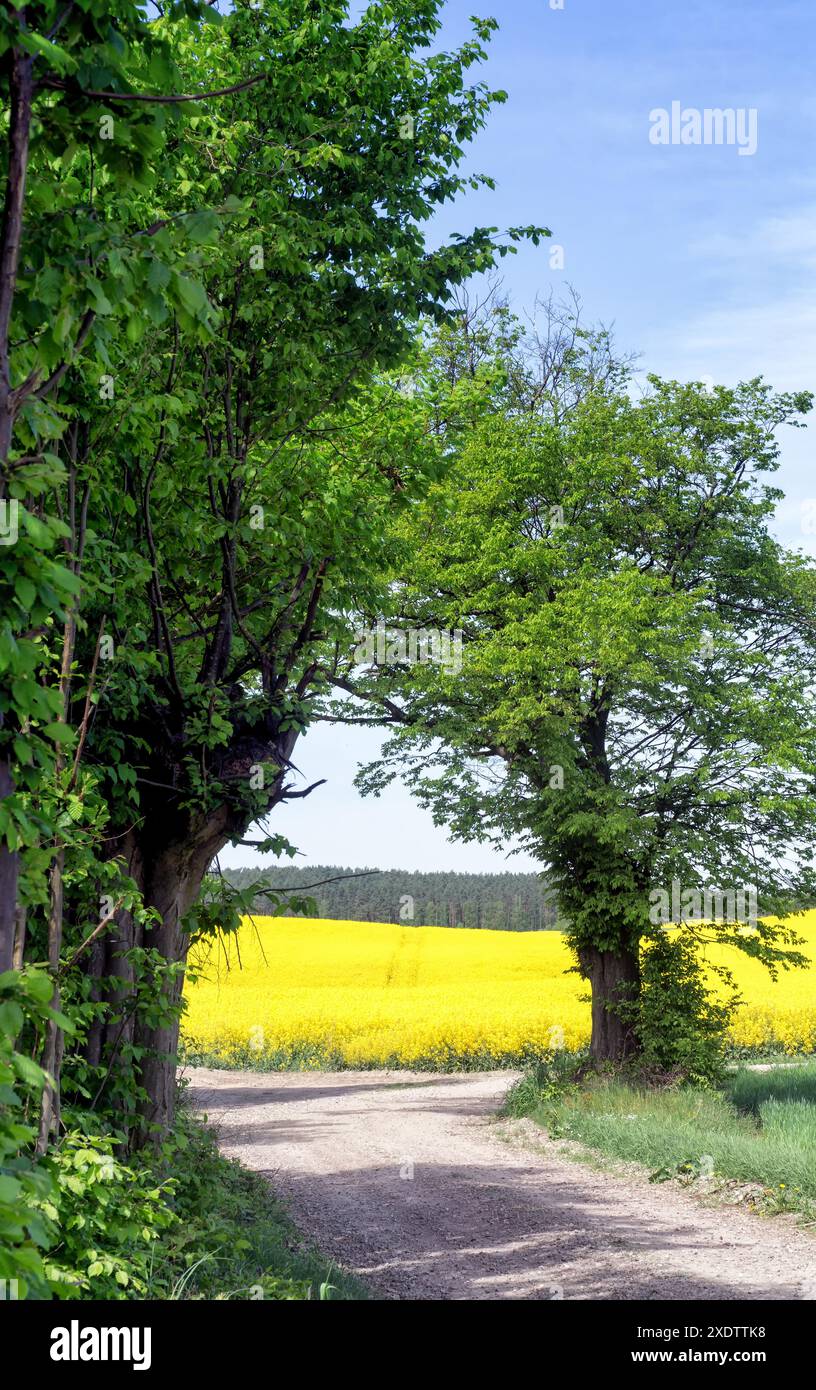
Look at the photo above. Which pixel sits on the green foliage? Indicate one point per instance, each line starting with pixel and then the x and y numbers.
pixel 193 358
pixel 274 442
pixel 211 296
pixel 27 1186
pixel 87 270
pixel 545 1082
pixel 112 1087
pixel 184 1223
pixel 109 1215
pixel 758 1136
pixel 223 902
pixel 635 700
pixel 680 1023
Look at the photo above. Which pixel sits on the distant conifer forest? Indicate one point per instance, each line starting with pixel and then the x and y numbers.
pixel 488 901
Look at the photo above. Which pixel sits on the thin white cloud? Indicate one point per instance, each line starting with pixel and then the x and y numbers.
pixel 786 240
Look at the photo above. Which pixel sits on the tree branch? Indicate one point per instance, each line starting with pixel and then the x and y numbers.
pixel 56 84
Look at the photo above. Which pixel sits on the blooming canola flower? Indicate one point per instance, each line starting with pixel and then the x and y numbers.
pixel 299 992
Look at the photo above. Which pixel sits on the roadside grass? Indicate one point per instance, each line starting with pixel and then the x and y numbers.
pixel 749 1089
pixel 233 1238
pixel 759 1129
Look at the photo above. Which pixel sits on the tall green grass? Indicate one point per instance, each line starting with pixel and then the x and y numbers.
pixel 760 1129
pixel 748 1089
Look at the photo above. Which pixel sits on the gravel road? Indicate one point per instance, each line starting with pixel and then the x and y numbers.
pixel 409 1180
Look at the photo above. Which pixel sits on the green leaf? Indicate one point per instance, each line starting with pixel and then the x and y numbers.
pixel 10 1189
pixel 191 295
pixel 37 984
pixel 59 58
pixel 60 733
pixel 11 1018
pixel 25 590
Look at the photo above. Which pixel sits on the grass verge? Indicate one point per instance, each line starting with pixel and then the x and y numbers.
pixel 760 1129
pixel 444 1058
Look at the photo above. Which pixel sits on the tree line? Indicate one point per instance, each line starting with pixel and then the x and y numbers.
pixel 484 901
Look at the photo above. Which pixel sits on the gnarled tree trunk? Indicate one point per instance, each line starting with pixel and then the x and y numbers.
pixel 167 853
pixel 167 862
pixel 172 873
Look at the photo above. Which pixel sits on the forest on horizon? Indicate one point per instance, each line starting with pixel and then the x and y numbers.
pixel 487 901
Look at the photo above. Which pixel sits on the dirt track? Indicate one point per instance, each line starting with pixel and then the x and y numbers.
pixel 406 1179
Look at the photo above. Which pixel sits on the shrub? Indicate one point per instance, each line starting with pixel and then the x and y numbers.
pixel 110 1217
pixel 681 1025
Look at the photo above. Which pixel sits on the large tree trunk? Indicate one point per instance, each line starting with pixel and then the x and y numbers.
pixel 614 977
pixel 171 883
pixel 167 854
pixel 168 861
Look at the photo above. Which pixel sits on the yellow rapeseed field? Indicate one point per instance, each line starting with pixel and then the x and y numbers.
pixel 290 992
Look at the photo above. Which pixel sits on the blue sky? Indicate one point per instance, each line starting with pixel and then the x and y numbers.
pixel 704 260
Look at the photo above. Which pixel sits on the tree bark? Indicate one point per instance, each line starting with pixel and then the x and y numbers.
pixel 614 978
pixel 21 89
pixel 20 97
pixel 95 970
pixel 19 938
pixel 170 876
pixel 52 1052
pixel 166 854
pixel 172 883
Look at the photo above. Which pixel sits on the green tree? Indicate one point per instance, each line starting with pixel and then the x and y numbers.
pixel 224 468
pixel 635 698
pixel 80 147
pixel 93 97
